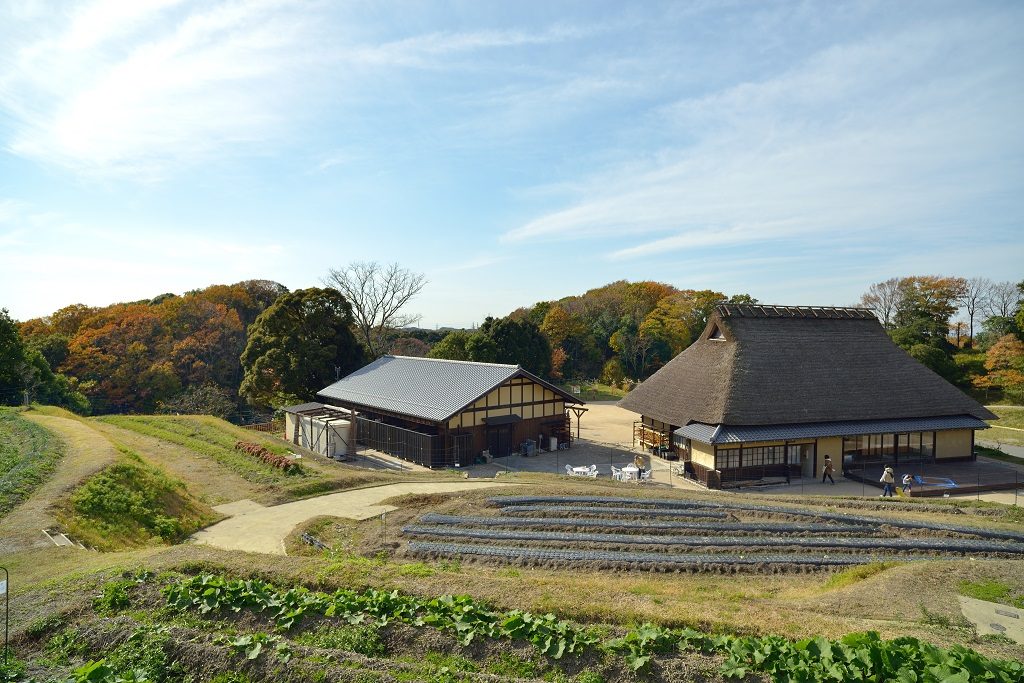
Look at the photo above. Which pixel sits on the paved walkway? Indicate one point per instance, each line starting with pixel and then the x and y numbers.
pixel 1009 449
pixel 255 528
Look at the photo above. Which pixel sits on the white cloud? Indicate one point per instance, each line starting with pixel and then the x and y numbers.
pixel 142 88
pixel 890 134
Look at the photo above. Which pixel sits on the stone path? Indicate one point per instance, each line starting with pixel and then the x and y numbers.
pixel 254 528
pixel 993 618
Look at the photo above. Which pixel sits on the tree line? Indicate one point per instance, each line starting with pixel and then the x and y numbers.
pixel 252 345
pixel 969 331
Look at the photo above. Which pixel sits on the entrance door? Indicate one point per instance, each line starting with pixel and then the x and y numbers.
pixel 804 454
pixel 499 441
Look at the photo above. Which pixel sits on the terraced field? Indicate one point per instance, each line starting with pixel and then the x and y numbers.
pixel 28 455
pixel 693 535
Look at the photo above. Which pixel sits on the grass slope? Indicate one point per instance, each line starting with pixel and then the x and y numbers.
pixel 1009 416
pixel 28 456
pixel 131 504
pixel 205 454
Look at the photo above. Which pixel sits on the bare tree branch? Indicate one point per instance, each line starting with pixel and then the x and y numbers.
pixel 377 294
pixel 974 299
pixel 884 298
pixel 1002 300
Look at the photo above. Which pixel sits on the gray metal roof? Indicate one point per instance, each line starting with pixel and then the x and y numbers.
pixel 716 434
pixel 427 388
pixel 302 407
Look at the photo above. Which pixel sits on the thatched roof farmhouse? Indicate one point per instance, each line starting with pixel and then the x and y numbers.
pixel 771 390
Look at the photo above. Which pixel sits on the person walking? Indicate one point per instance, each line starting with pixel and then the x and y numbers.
pixel 827 470
pixel 887 483
pixel 908 482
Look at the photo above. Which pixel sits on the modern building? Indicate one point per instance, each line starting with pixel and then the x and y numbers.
pixel 446 413
pixel 769 391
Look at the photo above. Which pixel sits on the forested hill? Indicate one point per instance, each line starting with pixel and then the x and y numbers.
pixel 169 351
pixel 185 353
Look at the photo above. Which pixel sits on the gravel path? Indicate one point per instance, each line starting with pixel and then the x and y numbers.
pixel 263 529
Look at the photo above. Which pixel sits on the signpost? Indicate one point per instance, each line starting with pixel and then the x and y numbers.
pixel 4 585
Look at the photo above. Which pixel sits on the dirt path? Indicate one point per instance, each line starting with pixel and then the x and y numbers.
pixel 88 451
pixel 210 481
pixel 263 529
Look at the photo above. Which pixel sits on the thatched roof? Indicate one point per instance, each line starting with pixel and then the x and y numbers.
pixel 791 365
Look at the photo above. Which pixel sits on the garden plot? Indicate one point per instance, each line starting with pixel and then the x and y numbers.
pixel 663 534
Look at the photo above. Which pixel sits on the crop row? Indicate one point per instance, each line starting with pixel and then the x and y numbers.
pixel 606 510
pixel 858 656
pixel 643 559
pixel 641 524
pixel 557 502
pixel 948 546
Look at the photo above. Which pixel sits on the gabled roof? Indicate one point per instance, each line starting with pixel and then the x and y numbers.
pixel 426 388
pixel 795 365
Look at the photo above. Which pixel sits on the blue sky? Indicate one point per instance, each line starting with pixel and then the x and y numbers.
pixel 513 152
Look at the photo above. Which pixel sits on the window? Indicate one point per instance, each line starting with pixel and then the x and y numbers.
pixel 757 456
pixel 727 458
pixel 716 334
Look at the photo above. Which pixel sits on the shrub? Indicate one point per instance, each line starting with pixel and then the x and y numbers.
pixel 273 459
pixel 130 503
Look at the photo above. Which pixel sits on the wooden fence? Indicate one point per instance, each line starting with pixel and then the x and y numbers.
pixel 274 426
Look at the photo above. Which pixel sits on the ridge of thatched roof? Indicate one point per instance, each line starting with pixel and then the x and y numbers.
pixel 762 365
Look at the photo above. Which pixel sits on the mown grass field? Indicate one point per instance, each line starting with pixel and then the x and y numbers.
pixel 1009 416
pixel 595 391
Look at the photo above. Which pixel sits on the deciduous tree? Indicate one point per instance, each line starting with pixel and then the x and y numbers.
pixel 1005 363
pixel 377 293
pixel 885 298
pixel 1003 299
pixel 974 298
pixel 409 346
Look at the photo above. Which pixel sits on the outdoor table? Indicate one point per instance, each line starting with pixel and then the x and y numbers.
pixel 630 472
pixel 580 470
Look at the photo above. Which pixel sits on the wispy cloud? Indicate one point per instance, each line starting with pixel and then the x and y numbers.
pixel 141 88
pixel 886 134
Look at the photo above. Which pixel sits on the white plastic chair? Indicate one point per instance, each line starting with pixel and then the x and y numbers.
pixel 616 473
pixel 645 475
pixel 568 471
pixel 592 472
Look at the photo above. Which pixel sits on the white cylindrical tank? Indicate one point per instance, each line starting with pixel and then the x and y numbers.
pixel 340 431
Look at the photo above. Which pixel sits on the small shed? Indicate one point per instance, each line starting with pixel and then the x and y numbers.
pixel 320 428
